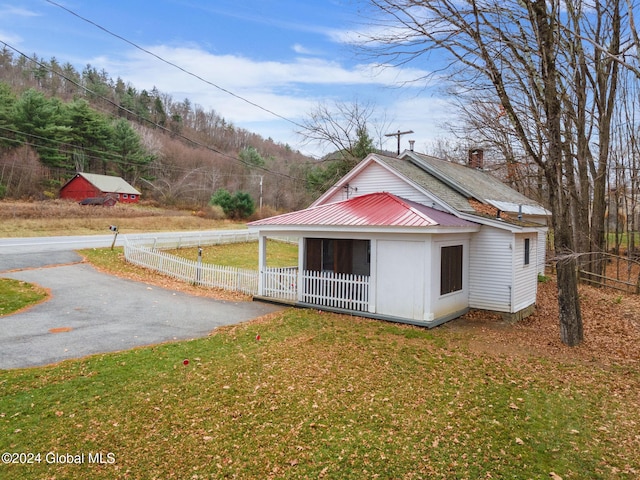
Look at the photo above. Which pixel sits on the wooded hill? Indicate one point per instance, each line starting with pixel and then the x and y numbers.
pixel 55 121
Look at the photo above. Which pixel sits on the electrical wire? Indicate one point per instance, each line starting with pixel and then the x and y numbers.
pixel 172 64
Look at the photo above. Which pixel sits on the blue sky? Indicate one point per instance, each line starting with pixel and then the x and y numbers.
pixel 284 55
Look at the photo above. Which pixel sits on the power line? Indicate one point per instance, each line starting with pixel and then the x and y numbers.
pixel 146 120
pixel 172 64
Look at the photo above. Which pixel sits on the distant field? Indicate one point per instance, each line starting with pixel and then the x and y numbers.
pixel 58 217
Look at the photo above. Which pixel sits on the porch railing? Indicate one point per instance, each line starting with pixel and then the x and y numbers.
pixel 328 289
pixel 280 283
pixel 337 290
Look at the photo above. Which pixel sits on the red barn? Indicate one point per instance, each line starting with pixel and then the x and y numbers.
pixel 84 186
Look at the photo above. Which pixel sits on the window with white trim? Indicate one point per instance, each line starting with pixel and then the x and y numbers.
pixel 450 269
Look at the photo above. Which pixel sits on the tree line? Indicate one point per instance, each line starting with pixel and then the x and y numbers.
pixel 56 120
pixel 71 136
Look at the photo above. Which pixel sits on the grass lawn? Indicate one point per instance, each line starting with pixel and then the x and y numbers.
pixel 243 255
pixel 305 394
pixel 320 395
pixel 16 295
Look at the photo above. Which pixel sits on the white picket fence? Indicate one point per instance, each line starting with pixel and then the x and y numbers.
pixel 192 271
pixel 191 239
pixel 328 289
pixel 336 290
pixel 280 283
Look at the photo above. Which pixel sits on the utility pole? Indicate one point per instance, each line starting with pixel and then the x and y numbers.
pixel 398 134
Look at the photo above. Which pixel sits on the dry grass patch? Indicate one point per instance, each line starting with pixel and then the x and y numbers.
pixel 611 329
pixel 61 217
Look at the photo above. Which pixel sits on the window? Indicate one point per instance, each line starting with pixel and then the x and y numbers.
pixel 527 251
pixel 124 195
pixel 132 197
pixel 450 269
pixel 327 255
pixel 338 255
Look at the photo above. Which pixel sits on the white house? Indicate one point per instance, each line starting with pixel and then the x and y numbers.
pixel 413 239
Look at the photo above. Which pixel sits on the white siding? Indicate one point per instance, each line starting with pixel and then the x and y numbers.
pixel 455 302
pixel 490 270
pixel 400 279
pixel 525 276
pixel 375 178
pixel 542 251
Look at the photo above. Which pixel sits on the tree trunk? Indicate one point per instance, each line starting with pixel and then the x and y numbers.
pixel 570 315
pixel 571 332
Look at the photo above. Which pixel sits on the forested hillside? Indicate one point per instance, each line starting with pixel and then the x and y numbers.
pixel 55 121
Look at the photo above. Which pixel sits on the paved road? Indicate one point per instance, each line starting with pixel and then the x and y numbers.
pixel 96 312
pixel 11 246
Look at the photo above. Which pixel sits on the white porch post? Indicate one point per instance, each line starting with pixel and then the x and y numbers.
pixel 262 262
pixel 373 274
pixel 301 255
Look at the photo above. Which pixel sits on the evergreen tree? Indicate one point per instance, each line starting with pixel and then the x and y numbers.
pixel 251 157
pixel 39 122
pixel 7 126
pixel 131 155
pixel 240 205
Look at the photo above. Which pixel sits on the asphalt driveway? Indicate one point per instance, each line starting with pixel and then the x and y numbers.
pixel 91 312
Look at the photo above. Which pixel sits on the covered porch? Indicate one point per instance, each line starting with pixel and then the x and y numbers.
pixel 331 272
pixel 372 255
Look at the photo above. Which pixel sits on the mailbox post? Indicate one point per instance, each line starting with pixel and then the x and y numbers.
pixel 114 229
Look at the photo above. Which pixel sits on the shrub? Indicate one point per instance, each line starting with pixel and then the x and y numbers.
pixel 244 205
pixel 240 205
pixel 211 212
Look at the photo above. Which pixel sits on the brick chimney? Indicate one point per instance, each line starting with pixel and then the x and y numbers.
pixel 476 158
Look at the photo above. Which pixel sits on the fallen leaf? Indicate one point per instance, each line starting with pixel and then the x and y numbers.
pixel 519 441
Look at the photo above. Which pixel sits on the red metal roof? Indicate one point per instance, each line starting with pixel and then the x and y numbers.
pixel 375 209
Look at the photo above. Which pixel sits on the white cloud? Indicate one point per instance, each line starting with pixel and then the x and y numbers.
pixel 289 89
pixel 13 11
pixel 427 115
pixel 302 50
pixel 283 87
pixel 11 38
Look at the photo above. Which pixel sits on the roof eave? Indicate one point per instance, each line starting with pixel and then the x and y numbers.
pixel 433 229
pixel 349 175
pixel 501 224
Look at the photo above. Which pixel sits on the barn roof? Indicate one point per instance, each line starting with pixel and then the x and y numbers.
pixel 379 209
pixel 109 184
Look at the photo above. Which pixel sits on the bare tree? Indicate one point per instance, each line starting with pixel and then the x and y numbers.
pixel 342 126
pixel 527 56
